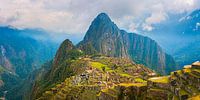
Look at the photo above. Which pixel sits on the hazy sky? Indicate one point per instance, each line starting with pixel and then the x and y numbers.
pixel 75 16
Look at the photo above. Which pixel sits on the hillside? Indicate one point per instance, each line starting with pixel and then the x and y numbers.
pixel 20 55
pixel 101 79
pixel 98 72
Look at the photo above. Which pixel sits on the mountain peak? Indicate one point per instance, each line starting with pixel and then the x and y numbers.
pixel 62 51
pixel 103 17
pixel 100 27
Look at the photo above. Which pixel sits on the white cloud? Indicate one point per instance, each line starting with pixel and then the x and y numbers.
pixel 74 16
pixel 156 17
pixel 147 27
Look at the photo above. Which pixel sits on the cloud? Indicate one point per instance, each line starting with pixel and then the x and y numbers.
pixel 147 27
pixel 154 18
pixel 75 16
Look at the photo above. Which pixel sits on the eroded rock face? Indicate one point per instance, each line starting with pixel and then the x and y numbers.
pixel 106 38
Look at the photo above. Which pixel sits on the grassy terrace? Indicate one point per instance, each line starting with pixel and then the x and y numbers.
pixel 109 91
pixel 140 80
pixel 183 92
pixel 197 70
pixel 156 89
pixel 99 66
pixel 197 97
pixel 194 75
pixel 133 84
pixel 179 72
pixel 187 70
pixel 164 79
pixel 103 67
pixel 126 75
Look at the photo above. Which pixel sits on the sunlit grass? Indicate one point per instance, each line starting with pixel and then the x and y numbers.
pixel 100 66
pixel 164 79
pixel 133 84
pixel 125 75
pixel 140 80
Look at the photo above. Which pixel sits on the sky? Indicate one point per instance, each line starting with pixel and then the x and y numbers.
pixel 75 16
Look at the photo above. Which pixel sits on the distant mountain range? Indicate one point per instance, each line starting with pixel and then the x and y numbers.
pixel 21 54
pixel 180 37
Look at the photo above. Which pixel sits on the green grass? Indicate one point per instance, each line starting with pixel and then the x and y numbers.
pixel 197 70
pixel 100 66
pixel 140 80
pixel 194 75
pixel 133 84
pixel 183 92
pixel 187 70
pixel 107 91
pixel 179 72
pixel 125 75
pixel 2 69
pixel 155 89
pixel 197 97
pixel 164 79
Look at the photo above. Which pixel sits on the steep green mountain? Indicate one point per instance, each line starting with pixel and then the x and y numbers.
pixel 104 37
pixel 59 70
pixel 20 55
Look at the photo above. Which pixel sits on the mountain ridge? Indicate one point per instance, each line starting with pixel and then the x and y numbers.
pixel 106 38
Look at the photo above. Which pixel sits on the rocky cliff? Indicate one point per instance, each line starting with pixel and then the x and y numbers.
pixel 104 37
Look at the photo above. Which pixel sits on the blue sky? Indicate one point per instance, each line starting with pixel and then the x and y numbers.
pixel 75 16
